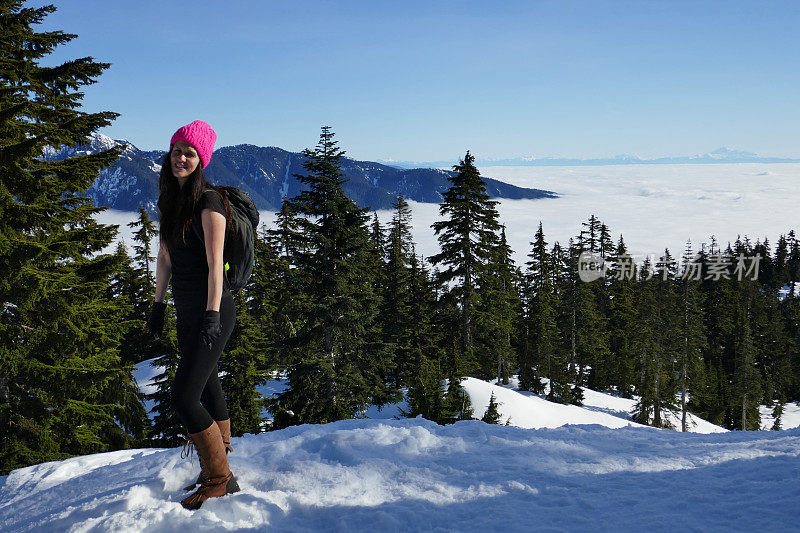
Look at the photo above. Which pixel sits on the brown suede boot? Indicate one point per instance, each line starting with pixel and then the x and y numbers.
pixel 218 480
pixel 225 431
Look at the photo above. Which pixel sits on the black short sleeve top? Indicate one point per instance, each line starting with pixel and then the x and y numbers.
pixel 188 259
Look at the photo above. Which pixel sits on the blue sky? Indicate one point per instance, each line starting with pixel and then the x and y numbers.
pixel 428 80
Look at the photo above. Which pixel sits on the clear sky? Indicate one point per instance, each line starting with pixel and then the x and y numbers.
pixel 427 80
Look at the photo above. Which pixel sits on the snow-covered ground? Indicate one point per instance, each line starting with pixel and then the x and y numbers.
pixel 789 419
pixel 412 475
pixel 555 468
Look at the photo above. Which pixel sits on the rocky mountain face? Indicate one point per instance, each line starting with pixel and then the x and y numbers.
pixel 267 174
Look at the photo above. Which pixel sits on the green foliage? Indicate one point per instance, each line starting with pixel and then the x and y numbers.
pixel 492 415
pixel 63 387
pixel 498 302
pixel 467 237
pixel 336 364
pixel 243 367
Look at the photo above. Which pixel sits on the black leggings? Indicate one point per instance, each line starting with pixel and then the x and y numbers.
pixel 196 392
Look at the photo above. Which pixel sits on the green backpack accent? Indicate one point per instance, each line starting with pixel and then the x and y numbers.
pixel 240 241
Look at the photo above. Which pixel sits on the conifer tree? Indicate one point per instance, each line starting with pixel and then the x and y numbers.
pixel 586 335
pixel 167 428
pixel 395 314
pixel 777 413
pixel 335 370
pixel 546 356
pixel 287 237
pixel 63 388
pixel 692 330
pixel 657 342
pixel 466 238
pixel 425 387
pixel 457 404
pixel 621 317
pixel 747 384
pixel 139 344
pixel 242 367
pixel 492 414
pixel 494 314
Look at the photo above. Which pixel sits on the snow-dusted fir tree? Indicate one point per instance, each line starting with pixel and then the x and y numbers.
pixel 63 388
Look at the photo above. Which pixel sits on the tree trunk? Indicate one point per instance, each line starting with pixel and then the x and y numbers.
pixel 744 412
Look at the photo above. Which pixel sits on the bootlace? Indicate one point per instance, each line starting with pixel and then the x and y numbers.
pixel 188 449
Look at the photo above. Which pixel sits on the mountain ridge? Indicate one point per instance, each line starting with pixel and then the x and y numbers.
pixel 268 174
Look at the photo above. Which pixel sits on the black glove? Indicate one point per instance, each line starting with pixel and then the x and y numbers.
pixel 156 321
pixel 211 328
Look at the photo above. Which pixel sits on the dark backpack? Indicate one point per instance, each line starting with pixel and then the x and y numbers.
pixel 240 241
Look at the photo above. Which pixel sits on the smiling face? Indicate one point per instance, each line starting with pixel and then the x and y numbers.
pixel 184 160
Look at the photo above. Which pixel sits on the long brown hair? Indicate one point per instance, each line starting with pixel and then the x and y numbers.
pixel 176 205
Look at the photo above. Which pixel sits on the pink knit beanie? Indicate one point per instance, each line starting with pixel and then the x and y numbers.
pixel 200 135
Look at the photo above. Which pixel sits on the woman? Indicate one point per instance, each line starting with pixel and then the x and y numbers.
pixel 203 302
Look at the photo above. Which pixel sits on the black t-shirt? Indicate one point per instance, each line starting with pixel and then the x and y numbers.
pixel 188 260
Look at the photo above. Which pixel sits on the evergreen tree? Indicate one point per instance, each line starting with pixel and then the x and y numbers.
pixel 139 344
pixel 747 381
pixel 395 309
pixel 585 328
pixel 545 355
pixel 621 317
pixel 167 428
pixel 466 237
pixel 457 404
pixel 242 367
pixel 777 413
pixel 336 369
pixel 63 389
pixel 658 343
pixel 492 415
pixel 692 330
pixel 494 314
pixel 425 389
pixel 287 237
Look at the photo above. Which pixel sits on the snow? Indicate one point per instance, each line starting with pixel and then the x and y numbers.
pixel 527 410
pixel 412 475
pixel 789 419
pixel 555 468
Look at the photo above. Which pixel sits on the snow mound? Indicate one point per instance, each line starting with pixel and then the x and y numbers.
pixel 527 410
pixel 789 420
pixel 413 475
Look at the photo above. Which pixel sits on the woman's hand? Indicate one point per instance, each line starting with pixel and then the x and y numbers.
pixel 211 328
pixel 155 323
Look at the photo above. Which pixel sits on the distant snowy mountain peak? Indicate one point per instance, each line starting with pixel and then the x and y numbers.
pixel 100 142
pixel 726 153
pixel 720 155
